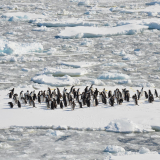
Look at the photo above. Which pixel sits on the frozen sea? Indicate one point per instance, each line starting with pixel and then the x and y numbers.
pixel 78 42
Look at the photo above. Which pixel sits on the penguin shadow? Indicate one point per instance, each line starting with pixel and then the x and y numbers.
pixel 130 104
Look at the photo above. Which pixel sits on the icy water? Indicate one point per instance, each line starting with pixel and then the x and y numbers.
pixel 66 144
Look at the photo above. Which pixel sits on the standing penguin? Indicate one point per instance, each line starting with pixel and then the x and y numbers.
pixel 10 104
pixel 156 93
pixel 61 104
pixel 146 94
pixel 19 104
pixel 73 105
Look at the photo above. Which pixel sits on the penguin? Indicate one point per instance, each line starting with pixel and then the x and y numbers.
pixel 111 101
pixel 109 94
pixel 120 101
pixel 73 105
pixel 146 94
pixel 135 99
pixel 151 98
pixel 19 104
pixel 12 91
pixel 39 99
pixel 61 104
pixel 23 100
pixel 88 102
pixel 127 96
pixel 149 92
pixel 33 103
pixel 10 94
pixel 52 105
pixel 156 94
pixel 11 104
pixel 80 104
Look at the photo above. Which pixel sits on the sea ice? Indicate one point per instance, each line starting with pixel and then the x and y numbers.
pixel 93 32
pixel 55 81
pixel 109 75
pixel 114 149
pixel 78 64
pixel 65 71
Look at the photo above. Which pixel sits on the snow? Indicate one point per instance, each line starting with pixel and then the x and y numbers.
pixel 121 118
pixel 93 32
pixel 55 81
pixel 136 157
pixel 65 71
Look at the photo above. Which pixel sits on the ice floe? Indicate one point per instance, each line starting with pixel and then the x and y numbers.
pixel 72 22
pixel 11 16
pixel 109 75
pixel 114 149
pixel 65 71
pixel 51 132
pixel 93 32
pixel 78 64
pixel 55 81
pixel 8 47
pixel 123 125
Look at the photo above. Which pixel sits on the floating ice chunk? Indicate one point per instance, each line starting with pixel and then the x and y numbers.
pixel 55 133
pixel 143 150
pixel 97 82
pixel 130 69
pixel 19 48
pixel 124 81
pixel 119 53
pixel 93 32
pixel 17 129
pixel 115 64
pixel 62 72
pixel 123 125
pixel 25 69
pixel 129 57
pixel 2 137
pixel 114 149
pixel 42 29
pixel 72 22
pixel 20 59
pixel 78 64
pixel 13 138
pixel 22 15
pixel 143 83
pixel 155 136
pixel 109 75
pixel 85 2
pixel 55 81
pixel 87 43
pixel 4 145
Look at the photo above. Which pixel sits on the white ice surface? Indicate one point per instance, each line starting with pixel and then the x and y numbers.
pixel 121 118
pixel 91 32
pixel 137 157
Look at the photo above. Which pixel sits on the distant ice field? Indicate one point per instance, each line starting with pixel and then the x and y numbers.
pixel 113 36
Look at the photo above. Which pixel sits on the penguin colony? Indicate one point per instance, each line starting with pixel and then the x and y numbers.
pixel 89 97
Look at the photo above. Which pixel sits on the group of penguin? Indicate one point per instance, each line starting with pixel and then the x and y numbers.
pixel 89 97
